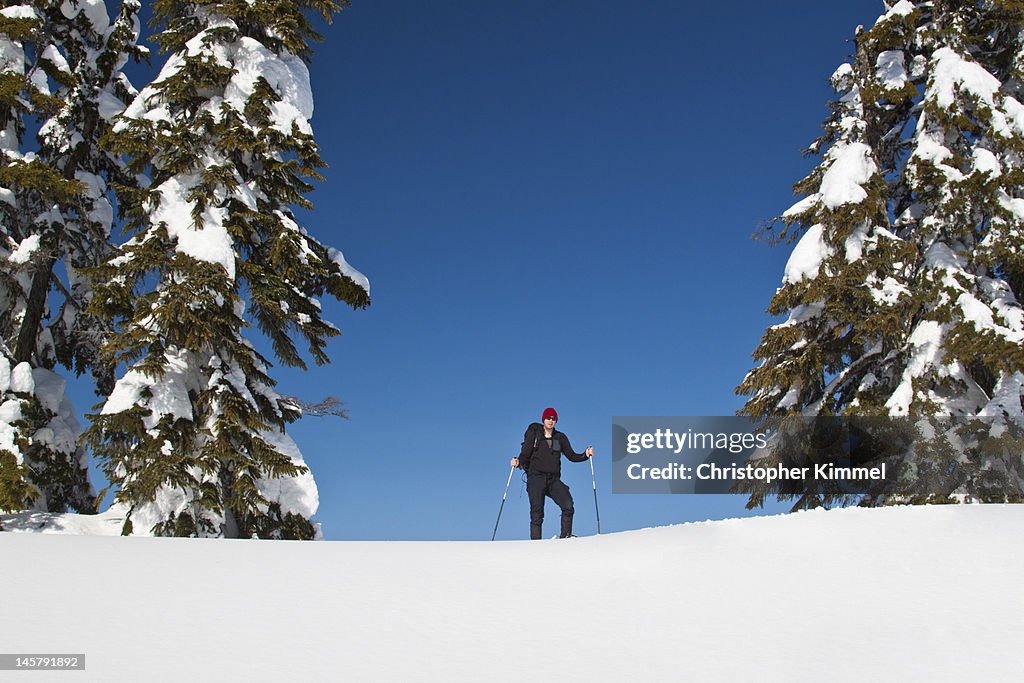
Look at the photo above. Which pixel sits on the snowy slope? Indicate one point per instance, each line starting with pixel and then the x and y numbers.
pixel 880 594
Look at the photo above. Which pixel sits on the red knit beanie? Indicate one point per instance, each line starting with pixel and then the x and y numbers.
pixel 549 412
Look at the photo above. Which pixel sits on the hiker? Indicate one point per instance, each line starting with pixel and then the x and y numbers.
pixel 541 458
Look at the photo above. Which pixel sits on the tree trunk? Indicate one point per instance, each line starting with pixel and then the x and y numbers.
pixel 34 308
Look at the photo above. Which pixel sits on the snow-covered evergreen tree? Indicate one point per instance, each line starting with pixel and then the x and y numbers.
pixel 61 78
pixel 193 434
pixel 904 290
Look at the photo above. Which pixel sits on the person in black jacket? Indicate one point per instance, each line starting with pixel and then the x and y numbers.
pixel 541 458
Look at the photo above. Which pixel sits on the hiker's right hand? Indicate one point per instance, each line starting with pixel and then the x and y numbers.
pixel 514 462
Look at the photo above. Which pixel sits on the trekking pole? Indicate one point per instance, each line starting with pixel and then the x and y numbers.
pixel 502 503
pixel 593 479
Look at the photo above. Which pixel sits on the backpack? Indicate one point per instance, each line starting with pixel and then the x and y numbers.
pixel 534 433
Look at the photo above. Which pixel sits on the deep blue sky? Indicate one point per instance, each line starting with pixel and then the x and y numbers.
pixel 554 203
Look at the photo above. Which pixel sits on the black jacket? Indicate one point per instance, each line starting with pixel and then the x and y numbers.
pixel 541 455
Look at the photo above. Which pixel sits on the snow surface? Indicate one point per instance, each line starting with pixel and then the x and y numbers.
pixel 805 204
pixel 23 253
pixel 953 76
pixel 842 77
pixel 854 243
pixel 19 12
pixel 62 431
pixel 802 313
pixel 851 167
pixel 927 593
pixel 12 58
pixel 339 259
pixel 286 74
pixel 900 9
pixel 807 255
pixel 21 379
pixel 887 292
pixel 926 344
pixel 109 105
pixel 298 494
pixel 985 162
pixel 952 73
pixel 890 69
pixel 211 241
pixel 53 55
pixel 10 412
pixel 169 395
pixel 1006 396
pixel 95 11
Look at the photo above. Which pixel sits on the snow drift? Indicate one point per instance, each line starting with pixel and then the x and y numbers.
pixel 893 593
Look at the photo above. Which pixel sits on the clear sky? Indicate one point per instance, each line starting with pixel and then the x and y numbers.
pixel 554 203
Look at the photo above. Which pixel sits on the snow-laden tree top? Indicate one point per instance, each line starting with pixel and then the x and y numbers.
pixel 904 287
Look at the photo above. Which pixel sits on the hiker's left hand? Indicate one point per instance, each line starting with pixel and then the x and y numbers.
pixel 590 451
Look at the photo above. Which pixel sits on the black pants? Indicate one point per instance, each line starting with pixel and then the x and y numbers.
pixel 539 485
